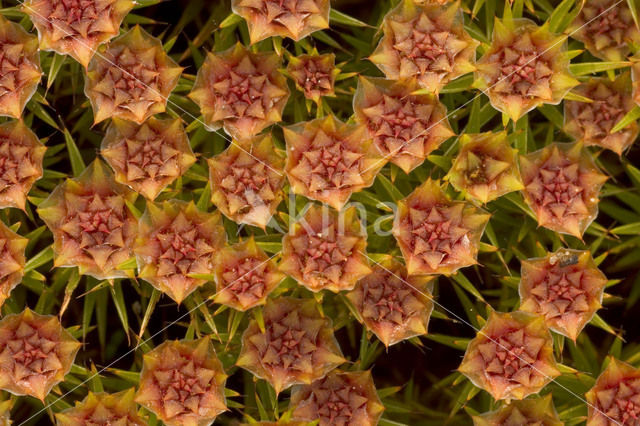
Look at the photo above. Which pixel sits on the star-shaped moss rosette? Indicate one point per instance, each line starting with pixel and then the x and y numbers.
pixel 92 226
pixel 295 19
pixel 297 345
pixel 426 41
pixel 606 28
pixel 486 167
pixel 182 383
pixel 21 154
pixel 525 66
pixel 405 127
pixel 244 275
pixel 532 411
pixel 565 287
pixel 36 352
pixel 591 122
pixel 175 246
pixel 132 79
pixel 340 398
pixel 19 68
pixel 103 409
pixel 328 160
pixel 149 156
pixel 240 90
pixel 392 305
pixel 12 260
pixel 76 28
pixel 437 235
pixel 314 75
pixel 247 180
pixel 325 250
pixel 614 399
pixel 562 184
pixel 511 357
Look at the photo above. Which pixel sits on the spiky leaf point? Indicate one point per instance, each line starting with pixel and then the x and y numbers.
pixel 182 383
pixel 340 398
pixel 635 78
pixel 21 154
pixel 244 275
pixel 392 304
pixel 20 65
pixel 92 226
pixel 76 28
pixel 247 180
pixel 565 287
pixel 405 127
pixel 591 122
pixel 532 411
pixel 437 235
pixel 295 19
pixel 297 345
pixel 562 184
pixel 614 397
pixel 325 250
pixel 132 79
pixel 5 412
pixel 242 91
pixel 427 41
pixel 526 66
pixel 511 357
pixel 176 242
pixel 102 409
pixel 314 75
pixel 606 28
pixel 12 260
pixel 36 352
pixel 328 160
pixel 147 157
pixel 486 167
